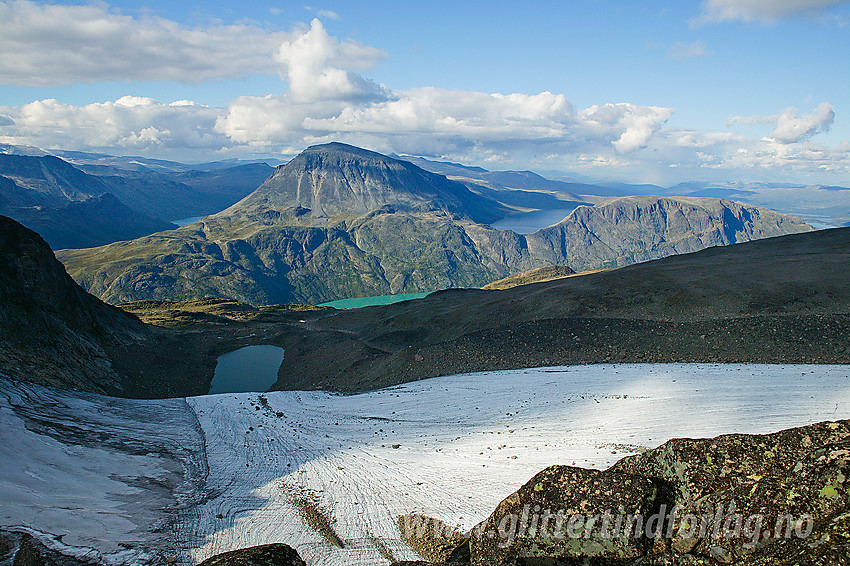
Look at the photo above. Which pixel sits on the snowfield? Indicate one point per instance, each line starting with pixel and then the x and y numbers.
pixel 135 482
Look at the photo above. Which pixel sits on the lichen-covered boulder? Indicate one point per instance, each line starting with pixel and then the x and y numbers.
pixel 747 500
pixel 742 495
pixel 570 513
pixel 828 545
pixel 698 467
pixel 277 554
pixel 431 538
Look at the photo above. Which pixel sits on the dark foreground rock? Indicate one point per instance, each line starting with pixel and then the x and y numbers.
pixel 783 494
pixel 265 555
pixel 534 522
pixel 750 500
pixel 19 549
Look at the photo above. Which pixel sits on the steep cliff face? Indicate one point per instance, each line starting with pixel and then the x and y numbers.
pixel 634 229
pixel 51 331
pixel 339 222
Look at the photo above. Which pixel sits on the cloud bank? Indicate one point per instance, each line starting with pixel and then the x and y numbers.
pixel 51 44
pixel 327 97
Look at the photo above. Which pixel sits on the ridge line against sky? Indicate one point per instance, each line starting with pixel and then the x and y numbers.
pixel 654 91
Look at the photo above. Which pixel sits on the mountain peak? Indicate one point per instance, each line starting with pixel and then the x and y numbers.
pixel 344 148
pixel 337 180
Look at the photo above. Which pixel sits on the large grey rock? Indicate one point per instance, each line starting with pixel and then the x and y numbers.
pixel 569 513
pixel 749 500
pixel 785 493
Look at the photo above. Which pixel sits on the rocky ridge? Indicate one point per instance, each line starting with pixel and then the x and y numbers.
pixel 78 205
pixel 339 222
pixel 749 500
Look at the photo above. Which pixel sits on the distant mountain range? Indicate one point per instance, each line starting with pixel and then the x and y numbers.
pixel 820 205
pixel 104 199
pixel 339 221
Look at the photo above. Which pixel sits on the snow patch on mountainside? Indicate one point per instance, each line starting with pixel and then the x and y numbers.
pixel 196 477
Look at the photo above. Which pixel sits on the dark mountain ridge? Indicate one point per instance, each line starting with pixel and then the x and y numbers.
pixel 48 324
pixel 54 333
pixel 92 205
pixel 339 222
pixel 776 300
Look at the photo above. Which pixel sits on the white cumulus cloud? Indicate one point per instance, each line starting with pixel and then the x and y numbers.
pixel 127 123
pixel 52 44
pixel 327 98
pixel 317 66
pixel 449 119
pixel 629 127
pixel 765 11
pixel 791 128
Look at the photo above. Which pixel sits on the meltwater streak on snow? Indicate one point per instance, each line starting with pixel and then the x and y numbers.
pixel 115 473
pixel 465 442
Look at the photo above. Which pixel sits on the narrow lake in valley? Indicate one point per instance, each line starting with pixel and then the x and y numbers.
pixel 186 221
pixel 359 302
pixel 528 222
pixel 252 368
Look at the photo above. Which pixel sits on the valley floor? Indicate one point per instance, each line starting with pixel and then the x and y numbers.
pixel 127 481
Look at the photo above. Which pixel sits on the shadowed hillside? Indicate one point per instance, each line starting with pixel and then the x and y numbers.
pixel 778 300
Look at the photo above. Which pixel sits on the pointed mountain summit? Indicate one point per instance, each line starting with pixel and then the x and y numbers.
pixel 337 181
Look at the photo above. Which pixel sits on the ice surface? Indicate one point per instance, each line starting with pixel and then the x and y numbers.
pixel 215 473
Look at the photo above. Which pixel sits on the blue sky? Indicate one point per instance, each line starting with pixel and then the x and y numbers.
pixel 637 91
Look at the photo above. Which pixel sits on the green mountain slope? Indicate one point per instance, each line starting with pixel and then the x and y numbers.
pixel 339 222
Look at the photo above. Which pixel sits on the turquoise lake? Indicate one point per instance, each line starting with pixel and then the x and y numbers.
pixel 359 302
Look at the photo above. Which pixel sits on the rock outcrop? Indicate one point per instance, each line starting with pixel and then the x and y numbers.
pixel 788 489
pixel 277 554
pixel 750 500
pixel 539 520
